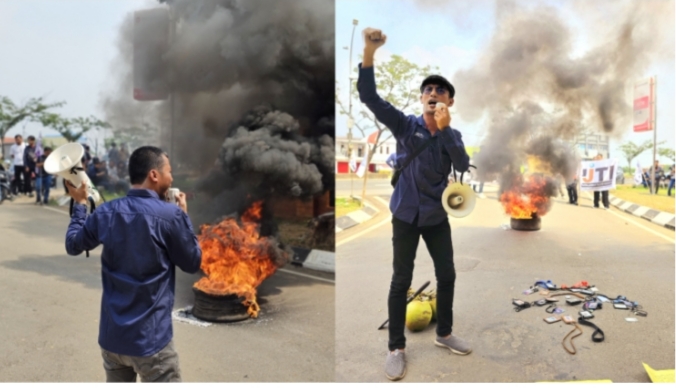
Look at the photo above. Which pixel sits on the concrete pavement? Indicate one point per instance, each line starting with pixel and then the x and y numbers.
pixel 618 253
pixel 50 303
pixel 356 217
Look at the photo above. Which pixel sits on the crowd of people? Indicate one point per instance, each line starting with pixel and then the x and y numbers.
pixel 660 177
pixel 111 175
pixel 28 173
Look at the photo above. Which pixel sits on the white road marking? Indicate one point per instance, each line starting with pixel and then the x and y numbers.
pixel 56 210
pixel 306 275
pixel 378 225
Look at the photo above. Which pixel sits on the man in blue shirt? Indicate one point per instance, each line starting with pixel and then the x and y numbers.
pixel 144 238
pixel 416 202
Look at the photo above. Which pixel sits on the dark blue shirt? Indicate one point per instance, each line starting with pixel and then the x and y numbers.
pixel 421 184
pixel 143 240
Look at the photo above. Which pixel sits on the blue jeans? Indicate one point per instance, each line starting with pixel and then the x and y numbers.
pixel 43 183
pixel 671 186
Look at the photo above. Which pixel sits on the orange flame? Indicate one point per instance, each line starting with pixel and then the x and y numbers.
pixel 525 199
pixel 235 258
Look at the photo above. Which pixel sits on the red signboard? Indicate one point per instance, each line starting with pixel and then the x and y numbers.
pixel 643 101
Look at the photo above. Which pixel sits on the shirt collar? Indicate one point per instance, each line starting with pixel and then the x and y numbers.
pixel 142 193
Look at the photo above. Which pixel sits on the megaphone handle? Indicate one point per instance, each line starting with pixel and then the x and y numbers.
pixel 462 173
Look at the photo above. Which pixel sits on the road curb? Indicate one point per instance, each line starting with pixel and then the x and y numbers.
pixel 356 217
pixel 660 218
pixel 315 259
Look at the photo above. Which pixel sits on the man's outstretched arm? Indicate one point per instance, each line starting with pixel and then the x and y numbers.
pixel 387 114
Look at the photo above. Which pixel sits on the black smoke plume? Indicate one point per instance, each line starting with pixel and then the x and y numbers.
pixel 253 83
pixel 537 92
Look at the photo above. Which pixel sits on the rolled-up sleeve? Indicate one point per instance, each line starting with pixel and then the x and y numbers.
pixel 183 248
pixel 385 112
pixel 82 231
pixel 452 141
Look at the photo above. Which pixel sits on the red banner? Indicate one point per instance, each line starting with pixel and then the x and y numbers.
pixel 643 101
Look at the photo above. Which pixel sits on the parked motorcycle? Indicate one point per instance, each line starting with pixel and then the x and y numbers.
pixel 5 185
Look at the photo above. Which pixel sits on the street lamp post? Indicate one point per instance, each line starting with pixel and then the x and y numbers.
pixel 350 121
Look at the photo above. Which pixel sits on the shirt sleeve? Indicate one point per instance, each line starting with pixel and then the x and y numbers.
pixel 82 232
pixel 182 246
pixel 387 114
pixel 452 141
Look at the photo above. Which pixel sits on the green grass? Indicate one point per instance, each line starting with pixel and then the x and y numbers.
pixel 111 196
pixel 346 205
pixel 641 196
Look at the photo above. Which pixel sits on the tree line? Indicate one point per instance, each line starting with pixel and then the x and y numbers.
pixel 71 128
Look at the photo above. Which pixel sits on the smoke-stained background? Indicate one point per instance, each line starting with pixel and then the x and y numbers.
pixel 536 90
pixel 254 93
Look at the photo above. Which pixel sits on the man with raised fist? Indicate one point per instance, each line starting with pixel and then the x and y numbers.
pixel 428 148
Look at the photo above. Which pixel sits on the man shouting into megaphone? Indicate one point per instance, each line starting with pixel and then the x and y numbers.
pixel 144 239
pixel 429 147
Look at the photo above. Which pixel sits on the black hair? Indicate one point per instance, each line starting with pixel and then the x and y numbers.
pixel 18 136
pixel 142 160
pixel 48 149
pixel 31 137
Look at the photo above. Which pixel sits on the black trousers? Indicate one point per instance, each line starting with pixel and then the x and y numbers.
pixel 657 185
pixel 572 193
pixel 604 195
pixel 405 243
pixel 22 186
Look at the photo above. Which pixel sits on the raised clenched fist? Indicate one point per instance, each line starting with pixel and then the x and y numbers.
pixel 373 38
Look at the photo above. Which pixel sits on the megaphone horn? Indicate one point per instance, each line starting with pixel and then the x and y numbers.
pixel 65 162
pixel 458 200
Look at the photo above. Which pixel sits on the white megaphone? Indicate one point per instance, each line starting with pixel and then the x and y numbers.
pixel 66 162
pixel 458 200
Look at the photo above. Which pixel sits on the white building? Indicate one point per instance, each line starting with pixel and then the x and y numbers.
pixel 378 162
pixel 589 144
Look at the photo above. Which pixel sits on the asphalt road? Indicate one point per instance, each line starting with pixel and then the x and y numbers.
pixel 50 303
pixel 619 253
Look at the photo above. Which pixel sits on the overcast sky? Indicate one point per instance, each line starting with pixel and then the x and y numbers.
pixel 414 30
pixel 61 50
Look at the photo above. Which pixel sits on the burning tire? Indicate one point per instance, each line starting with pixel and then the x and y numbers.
pixel 217 308
pixel 526 224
